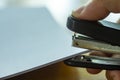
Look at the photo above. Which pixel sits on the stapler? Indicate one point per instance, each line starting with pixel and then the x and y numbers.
pixel 95 35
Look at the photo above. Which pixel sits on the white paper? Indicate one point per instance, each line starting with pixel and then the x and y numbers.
pixel 30 39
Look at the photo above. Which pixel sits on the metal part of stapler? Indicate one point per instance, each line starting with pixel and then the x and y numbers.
pixel 96 35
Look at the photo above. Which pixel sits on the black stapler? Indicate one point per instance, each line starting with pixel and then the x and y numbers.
pixel 95 35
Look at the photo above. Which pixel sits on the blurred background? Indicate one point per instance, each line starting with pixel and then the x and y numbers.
pixel 60 9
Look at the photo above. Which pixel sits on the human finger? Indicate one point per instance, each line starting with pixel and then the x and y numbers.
pixel 96 53
pixel 94 10
pixel 113 74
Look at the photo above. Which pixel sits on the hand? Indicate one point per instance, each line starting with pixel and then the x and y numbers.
pixel 96 10
pixel 110 74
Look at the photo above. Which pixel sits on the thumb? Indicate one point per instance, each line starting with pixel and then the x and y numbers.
pixel 94 10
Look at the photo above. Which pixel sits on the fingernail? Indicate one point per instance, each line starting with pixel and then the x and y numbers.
pixel 76 13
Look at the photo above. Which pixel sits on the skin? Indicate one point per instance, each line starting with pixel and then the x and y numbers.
pixel 97 10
